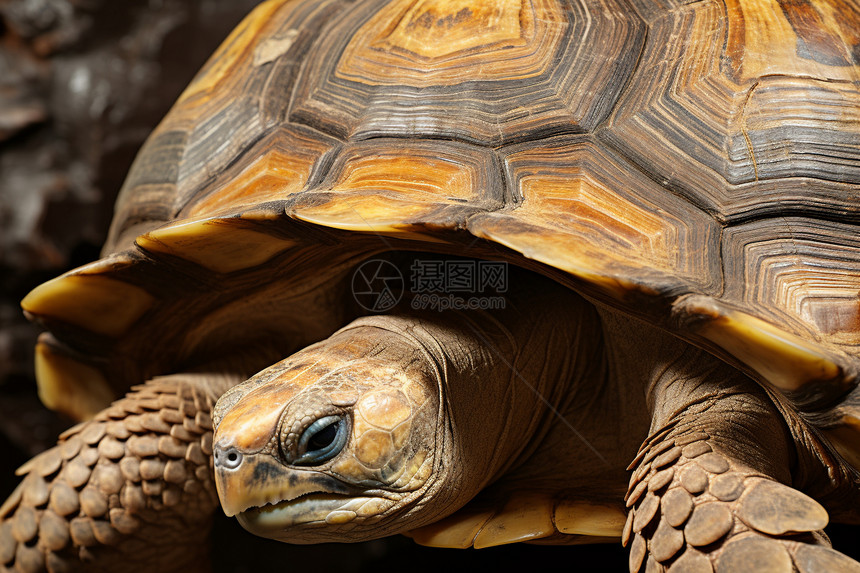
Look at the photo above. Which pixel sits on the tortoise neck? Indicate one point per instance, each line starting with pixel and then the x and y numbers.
pixel 504 380
pixel 683 382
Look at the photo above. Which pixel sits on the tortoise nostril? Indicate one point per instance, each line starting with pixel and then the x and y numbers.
pixel 229 458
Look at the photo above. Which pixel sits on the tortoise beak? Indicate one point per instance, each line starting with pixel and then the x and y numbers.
pixel 248 473
pixel 246 481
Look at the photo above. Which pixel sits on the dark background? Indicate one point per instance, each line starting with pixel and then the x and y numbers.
pixel 82 82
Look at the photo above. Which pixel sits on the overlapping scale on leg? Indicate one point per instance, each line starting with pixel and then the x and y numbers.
pixel 386 69
pixel 403 188
pixel 94 495
pixel 750 126
pixel 713 514
pixel 580 207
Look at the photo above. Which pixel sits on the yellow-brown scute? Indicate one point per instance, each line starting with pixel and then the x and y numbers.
pixel 437 30
pixel 583 135
pixel 440 40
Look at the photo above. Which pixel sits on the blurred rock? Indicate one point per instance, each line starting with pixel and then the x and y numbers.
pixel 22 77
pixel 82 83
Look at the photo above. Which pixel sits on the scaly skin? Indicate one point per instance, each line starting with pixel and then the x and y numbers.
pixel 130 490
pixel 713 487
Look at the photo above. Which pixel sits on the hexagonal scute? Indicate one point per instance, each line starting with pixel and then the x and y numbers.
pixel 508 71
pixel 400 187
pixel 275 167
pixel 799 271
pixel 238 98
pixel 756 112
pixel 583 209
pixel 243 91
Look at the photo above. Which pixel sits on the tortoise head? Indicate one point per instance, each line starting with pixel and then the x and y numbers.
pixel 340 434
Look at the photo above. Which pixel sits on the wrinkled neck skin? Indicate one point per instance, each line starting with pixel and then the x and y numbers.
pixel 686 386
pixel 438 406
pixel 497 384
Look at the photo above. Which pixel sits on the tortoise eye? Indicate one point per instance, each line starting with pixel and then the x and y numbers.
pixel 321 441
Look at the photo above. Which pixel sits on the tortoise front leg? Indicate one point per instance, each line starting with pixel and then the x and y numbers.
pixel 129 490
pixel 711 489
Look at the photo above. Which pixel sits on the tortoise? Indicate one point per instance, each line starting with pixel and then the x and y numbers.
pixel 661 197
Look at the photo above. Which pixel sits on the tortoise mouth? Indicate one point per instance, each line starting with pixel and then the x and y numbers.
pixel 270 505
pixel 298 502
pixel 273 520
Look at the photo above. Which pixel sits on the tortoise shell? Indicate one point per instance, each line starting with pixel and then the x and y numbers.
pixel 693 164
